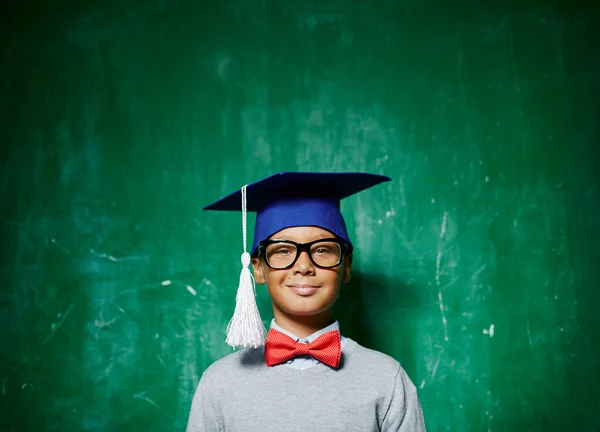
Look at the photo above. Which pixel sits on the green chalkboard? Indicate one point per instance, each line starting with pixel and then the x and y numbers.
pixel 476 267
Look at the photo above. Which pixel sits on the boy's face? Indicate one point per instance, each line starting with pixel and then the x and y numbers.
pixel 303 289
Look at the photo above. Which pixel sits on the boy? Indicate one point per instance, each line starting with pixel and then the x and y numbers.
pixel 306 377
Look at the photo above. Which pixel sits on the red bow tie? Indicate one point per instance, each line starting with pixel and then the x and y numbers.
pixel 280 348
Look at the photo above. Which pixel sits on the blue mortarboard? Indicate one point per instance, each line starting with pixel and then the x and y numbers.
pixel 285 200
pixel 291 199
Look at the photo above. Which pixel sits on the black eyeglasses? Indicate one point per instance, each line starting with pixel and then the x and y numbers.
pixel 283 254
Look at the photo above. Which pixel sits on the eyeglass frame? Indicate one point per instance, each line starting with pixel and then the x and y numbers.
pixel 345 248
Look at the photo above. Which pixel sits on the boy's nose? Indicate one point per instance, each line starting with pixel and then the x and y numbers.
pixel 304 265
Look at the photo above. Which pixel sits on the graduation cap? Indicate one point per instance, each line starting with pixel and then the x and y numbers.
pixel 284 200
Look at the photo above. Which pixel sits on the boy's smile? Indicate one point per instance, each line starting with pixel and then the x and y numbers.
pixel 304 290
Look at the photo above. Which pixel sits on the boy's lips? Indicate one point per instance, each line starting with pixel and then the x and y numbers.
pixel 303 289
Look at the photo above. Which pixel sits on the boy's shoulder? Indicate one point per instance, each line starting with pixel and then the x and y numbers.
pixel 234 364
pixel 370 359
pixel 377 370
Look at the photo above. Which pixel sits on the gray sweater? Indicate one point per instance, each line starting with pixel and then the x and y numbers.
pixel 369 392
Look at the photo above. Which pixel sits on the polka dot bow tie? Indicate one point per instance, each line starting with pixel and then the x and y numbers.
pixel 280 348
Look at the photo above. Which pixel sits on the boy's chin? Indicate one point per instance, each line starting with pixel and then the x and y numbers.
pixel 308 312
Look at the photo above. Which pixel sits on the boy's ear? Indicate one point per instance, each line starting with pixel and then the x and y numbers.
pixel 347 271
pixel 259 276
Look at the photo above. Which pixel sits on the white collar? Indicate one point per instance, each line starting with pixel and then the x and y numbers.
pixel 333 326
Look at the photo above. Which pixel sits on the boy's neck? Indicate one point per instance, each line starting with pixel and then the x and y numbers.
pixel 303 326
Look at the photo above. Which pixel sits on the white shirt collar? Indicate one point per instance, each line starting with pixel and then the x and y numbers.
pixel 333 326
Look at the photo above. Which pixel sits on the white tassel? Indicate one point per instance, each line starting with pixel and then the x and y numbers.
pixel 246 329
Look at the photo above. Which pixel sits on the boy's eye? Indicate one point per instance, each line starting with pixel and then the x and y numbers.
pixel 281 250
pixel 322 250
